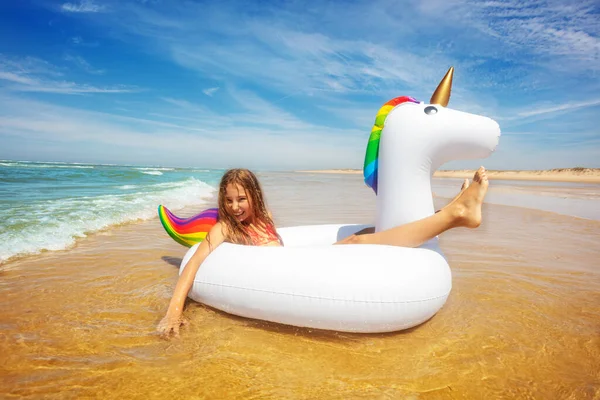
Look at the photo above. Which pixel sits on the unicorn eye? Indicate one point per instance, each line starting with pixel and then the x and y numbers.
pixel 430 110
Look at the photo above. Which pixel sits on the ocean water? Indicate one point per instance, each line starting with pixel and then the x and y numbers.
pixel 47 206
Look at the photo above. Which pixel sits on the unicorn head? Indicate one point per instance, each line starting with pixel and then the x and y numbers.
pixel 409 141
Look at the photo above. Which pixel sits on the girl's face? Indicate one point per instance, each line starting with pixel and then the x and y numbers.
pixel 238 202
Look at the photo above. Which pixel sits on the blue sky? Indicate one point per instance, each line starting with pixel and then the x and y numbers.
pixel 290 84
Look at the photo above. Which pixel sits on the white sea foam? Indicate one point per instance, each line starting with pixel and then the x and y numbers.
pixel 58 223
pixel 154 169
pixel 21 164
pixel 152 172
pixel 67 166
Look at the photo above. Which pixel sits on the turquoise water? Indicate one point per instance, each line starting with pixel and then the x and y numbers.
pixel 47 206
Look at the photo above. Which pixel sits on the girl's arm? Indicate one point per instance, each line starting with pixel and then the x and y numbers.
pixel 173 319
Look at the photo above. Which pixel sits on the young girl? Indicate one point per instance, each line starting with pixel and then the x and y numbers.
pixel 244 219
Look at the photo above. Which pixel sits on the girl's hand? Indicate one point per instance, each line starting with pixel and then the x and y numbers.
pixel 170 325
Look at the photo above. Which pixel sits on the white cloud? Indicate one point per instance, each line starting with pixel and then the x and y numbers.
pixel 565 31
pixel 265 51
pixel 315 64
pixel 301 57
pixel 85 6
pixel 238 139
pixel 549 35
pixel 189 107
pixel 79 41
pixel 83 64
pixel 15 77
pixel 559 108
pixel 28 66
pixel 283 146
pixel 289 53
pixel 71 88
pixel 362 117
pixel 210 91
pixel 34 75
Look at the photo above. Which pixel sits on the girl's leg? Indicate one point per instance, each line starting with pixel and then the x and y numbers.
pixel 463 211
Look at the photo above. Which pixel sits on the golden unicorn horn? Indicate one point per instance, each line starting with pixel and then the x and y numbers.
pixel 441 95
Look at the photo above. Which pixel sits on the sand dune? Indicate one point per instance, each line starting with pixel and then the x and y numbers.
pixel 584 175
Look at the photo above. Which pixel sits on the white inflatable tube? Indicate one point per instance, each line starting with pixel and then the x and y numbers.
pixel 310 283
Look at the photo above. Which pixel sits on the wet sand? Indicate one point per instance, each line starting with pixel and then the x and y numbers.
pixel 522 320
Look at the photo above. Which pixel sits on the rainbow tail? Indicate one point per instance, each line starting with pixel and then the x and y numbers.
pixel 188 231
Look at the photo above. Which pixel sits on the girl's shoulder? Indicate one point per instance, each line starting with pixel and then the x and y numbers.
pixel 219 229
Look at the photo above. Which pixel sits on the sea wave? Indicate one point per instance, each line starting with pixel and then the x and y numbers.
pixel 22 164
pixel 56 224
pixel 154 169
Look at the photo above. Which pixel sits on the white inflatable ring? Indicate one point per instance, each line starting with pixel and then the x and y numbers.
pixel 310 283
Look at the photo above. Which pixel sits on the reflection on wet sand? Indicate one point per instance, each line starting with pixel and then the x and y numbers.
pixel 521 321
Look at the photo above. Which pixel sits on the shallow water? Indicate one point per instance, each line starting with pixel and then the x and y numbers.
pixel 47 206
pixel 567 198
pixel 522 320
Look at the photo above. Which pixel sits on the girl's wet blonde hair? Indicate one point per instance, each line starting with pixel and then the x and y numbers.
pixel 234 230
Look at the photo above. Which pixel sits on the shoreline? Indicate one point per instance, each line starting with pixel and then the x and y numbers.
pixel 577 175
pixel 189 211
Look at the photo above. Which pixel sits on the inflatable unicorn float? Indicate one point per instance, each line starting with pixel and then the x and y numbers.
pixel 351 288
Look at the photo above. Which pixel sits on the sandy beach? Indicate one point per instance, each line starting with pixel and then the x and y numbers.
pixel 521 320
pixel 581 175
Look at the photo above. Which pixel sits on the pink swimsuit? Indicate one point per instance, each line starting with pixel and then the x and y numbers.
pixel 260 239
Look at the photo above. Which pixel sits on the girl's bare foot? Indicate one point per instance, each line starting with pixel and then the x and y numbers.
pixel 466 208
pixel 462 189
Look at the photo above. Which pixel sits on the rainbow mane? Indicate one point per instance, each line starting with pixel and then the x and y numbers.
pixel 372 155
pixel 188 231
